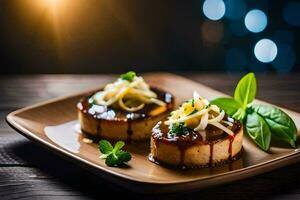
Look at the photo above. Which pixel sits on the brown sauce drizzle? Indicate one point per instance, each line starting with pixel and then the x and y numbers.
pixel 99 130
pixel 87 106
pixel 162 134
pixel 211 148
pixel 129 130
pixel 230 146
pixel 182 155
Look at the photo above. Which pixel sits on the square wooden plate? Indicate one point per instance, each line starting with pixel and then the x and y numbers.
pixel 58 118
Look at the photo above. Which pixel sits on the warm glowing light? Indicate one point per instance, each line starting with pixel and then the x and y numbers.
pixel 212 32
pixel 52 15
pixel 52 2
pixel 52 5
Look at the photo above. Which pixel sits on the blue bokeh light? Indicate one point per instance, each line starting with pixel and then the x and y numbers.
pixel 256 21
pixel 291 13
pixel 214 9
pixel 265 50
pixel 236 59
pixel 235 9
pixel 283 36
pixel 237 28
pixel 285 59
pixel 257 66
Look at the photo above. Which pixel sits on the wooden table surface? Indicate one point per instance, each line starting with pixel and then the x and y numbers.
pixel 28 171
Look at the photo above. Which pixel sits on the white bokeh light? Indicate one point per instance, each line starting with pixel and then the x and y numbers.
pixel 256 21
pixel 265 50
pixel 214 9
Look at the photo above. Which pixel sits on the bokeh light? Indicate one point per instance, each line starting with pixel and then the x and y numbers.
pixel 237 28
pixel 265 50
pixel 255 65
pixel 214 9
pixel 235 9
pixel 212 32
pixel 256 21
pixel 283 36
pixel 291 13
pixel 236 59
pixel 285 59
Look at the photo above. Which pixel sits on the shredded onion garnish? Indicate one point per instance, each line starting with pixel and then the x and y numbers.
pixel 130 95
pixel 197 113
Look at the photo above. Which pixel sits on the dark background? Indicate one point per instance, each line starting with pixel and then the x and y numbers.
pixel 112 36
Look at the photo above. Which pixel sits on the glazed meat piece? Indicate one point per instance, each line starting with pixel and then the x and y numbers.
pixel 202 138
pixel 129 117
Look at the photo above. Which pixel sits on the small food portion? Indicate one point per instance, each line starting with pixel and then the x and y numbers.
pixel 114 156
pixel 263 123
pixel 197 134
pixel 127 109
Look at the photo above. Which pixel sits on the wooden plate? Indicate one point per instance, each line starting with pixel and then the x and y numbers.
pixel 58 119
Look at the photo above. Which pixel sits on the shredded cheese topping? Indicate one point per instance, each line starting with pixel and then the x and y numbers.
pixel 128 95
pixel 197 113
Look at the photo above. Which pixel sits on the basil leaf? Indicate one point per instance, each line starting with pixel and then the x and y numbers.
pixel 245 90
pixel 281 125
pixel 240 114
pixel 105 147
pixel 258 130
pixel 229 105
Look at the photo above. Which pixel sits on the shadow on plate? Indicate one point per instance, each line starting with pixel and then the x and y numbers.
pixel 279 182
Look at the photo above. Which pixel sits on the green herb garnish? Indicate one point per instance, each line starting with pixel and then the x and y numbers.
pixel 258 130
pixel 92 100
pixel 194 111
pixel 262 122
pixel 179 128
pixel 281 125
pixel 129 76
pixel 192 102
pixel 113 156
pixel 171 113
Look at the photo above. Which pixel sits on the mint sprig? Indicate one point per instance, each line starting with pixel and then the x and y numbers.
pixel 129 76
pixel 114 156
pixel 262 122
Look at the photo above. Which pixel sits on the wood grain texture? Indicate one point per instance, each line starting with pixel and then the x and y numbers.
pixel 84 185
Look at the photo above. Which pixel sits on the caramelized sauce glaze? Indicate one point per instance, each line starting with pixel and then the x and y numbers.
pixel 100 112
pixel 162 134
